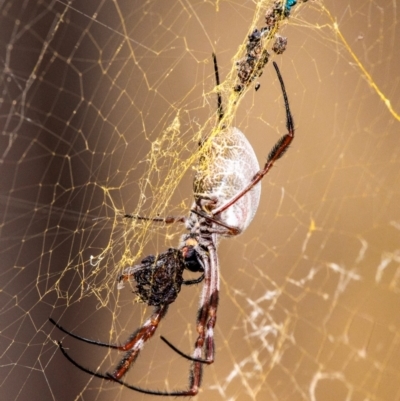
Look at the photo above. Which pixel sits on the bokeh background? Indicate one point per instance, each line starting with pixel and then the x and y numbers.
pixel 102 106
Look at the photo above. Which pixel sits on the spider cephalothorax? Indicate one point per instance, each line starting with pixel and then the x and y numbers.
pixel 226 197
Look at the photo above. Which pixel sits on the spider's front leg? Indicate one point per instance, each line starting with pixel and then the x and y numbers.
pixel 206 319
pixel 277 151
pixel 137 341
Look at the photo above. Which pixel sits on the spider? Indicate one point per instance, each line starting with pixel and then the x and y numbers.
pixel 226 197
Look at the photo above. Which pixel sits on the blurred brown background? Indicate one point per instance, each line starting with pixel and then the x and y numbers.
pixel 309 293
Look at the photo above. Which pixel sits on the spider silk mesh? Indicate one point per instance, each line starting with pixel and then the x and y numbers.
pixel 102 107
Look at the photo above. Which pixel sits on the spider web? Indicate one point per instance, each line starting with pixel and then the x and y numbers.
pixel 102 108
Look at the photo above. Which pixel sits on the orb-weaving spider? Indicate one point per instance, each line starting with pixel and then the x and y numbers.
pixel 226 200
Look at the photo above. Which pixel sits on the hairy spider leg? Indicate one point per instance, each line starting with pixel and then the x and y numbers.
pixel 206 319
pixel 213 303
pixel 226 228
pixel 276 152
pixel 166 220
pixel 137 341
pixel 133 345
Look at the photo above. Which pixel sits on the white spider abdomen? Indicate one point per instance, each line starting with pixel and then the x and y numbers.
pixel 225 169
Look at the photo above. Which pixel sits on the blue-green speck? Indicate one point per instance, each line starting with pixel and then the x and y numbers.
pixel 289 4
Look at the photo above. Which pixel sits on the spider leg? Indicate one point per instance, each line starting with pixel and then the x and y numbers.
pixel 86 340
pixel 137 341
pixel 151 392
pixel 220 109
pixel 136 336
pixel 194 281
pixel 178 351
pixel 206 317
pixel 276 152
pixel 213 303
pixel 166 220
pixel 227 229
pixel 91 372
pixel 133 345
pixel 209 341
pixel 109 377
